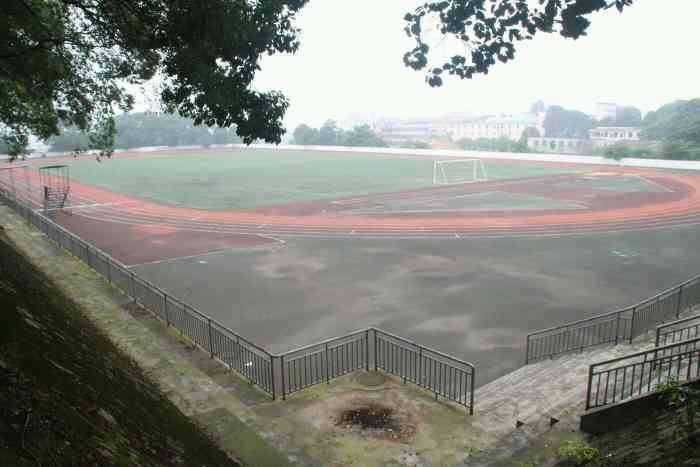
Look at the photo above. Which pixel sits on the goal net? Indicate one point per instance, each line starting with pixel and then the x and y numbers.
pixel 459 171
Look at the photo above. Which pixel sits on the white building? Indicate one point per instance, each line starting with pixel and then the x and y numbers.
pixel 607 135
pixel 493 127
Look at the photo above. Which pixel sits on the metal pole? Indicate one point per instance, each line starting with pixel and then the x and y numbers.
pixel 678 305
pixel 211 341
pixel 272 376
pixel 165 307
pixel 328 376
pixel 588 391
pixel 527 349
pixel 634 314
pixel 375 350
pixel 284 389
pixel 367 350
pixel 471 395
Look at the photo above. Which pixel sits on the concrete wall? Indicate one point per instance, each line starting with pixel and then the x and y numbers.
pixel 596 160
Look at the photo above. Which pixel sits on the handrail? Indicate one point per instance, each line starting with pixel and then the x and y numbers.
pixel 542 342
pixel 641 373
pixel 662 327
pixel 444 355
pixel 674 323
pixel 644 302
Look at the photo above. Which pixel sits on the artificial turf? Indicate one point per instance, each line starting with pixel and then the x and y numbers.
pixel 245 178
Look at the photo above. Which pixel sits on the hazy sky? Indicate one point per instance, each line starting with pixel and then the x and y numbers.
pixel 350 62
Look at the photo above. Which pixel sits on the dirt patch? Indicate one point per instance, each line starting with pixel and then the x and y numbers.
pixel 382 414
pixel 373 417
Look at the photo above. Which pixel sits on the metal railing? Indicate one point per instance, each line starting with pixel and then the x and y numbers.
pixel 324 361
pixel 444 375
pixel 236 352
pixel 291 371
pixel 440 373
pixel 614 327
pixel 640 373
pixel 676 331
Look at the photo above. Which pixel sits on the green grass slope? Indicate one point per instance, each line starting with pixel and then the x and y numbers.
pixel 69 397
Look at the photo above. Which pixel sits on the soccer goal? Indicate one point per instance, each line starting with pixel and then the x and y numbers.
pixel 459 171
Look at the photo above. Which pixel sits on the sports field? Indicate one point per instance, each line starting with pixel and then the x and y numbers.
pixel 251 178
pixel 289 248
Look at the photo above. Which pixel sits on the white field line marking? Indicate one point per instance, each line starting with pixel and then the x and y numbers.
pixel 656 184
pixel 87 206
pixel 208 253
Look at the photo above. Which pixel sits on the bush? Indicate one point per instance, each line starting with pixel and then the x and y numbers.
pixel 578 452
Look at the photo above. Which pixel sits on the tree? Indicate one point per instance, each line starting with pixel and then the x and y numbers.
pixel 65 62
pixel 628 116
pixel 678 121
pixel 329 134
pixel 563 123
pixel 304 134
pixel 362 136
pixel 625 116
pixel 491 29
pixel 538 107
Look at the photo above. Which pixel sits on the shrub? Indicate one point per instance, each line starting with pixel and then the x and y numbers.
pixel 578 452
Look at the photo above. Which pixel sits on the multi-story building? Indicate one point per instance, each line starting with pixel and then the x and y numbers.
pixel 493 127
pixel 458 126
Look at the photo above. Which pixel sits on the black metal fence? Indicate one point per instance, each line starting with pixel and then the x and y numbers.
pixel 676 331
pixel 324 361
pixel 287 373
pixel 614 327
pixel 442 374
pixel 239 354
pixel 640 373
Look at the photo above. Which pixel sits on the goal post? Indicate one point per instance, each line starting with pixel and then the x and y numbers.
pixel 457 171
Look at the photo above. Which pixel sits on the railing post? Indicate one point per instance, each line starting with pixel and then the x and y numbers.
pixel 590 385
pixel 133 286
pixel 617 328
pixel 272 376
pixel 634 315
pixel 211 342
pixel 328 375
pixel 375 350
pixel 678 305
pixel 527 349
pixel 165 307
pixel 284 391
pixel 420 366
pixel 471 393
pixel 367 350
pixel 658 337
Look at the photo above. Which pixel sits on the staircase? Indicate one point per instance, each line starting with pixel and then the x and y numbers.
pixel 548 395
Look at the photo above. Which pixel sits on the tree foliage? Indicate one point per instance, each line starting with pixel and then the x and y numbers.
pixel 625 116
pixel 502 144
pixel 143 129
pixel 490 30
pixel 66 62
pixel 331 135
pixel 562 123
pixel 678 122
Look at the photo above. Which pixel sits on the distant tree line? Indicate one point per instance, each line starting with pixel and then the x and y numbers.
pixel 331 135
pixel 135 130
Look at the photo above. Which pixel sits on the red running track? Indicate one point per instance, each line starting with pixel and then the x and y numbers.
pixel 678 205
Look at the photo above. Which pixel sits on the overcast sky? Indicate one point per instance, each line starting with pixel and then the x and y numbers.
pixel 350 62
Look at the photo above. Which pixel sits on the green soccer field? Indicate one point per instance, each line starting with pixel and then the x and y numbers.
pixel 249 178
